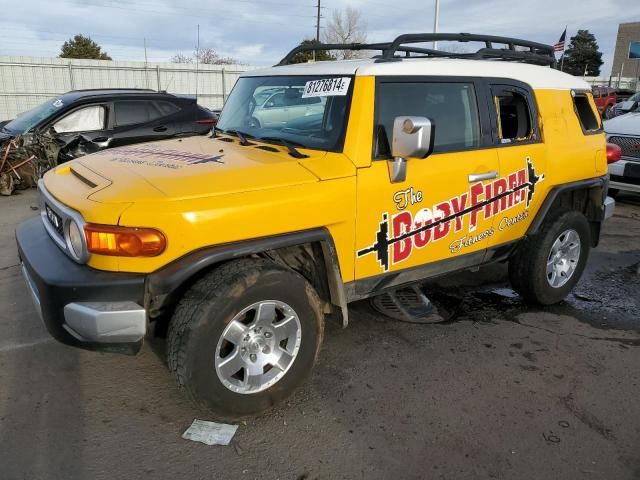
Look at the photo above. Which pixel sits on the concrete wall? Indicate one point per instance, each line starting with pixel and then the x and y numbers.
pixel 28 81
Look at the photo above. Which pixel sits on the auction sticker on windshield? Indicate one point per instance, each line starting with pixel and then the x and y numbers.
pixel 326 87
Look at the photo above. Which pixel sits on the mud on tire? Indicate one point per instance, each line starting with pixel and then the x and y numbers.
pixel 528 266
pixel 209 319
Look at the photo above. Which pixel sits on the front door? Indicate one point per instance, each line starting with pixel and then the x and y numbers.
pixel 440 212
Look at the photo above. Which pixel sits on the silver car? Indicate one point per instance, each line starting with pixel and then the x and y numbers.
pixel 624 131
pixel 626 106
pixel 275 107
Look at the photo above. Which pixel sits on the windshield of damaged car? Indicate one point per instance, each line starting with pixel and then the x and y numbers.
pixel 26 121
pixel 306 111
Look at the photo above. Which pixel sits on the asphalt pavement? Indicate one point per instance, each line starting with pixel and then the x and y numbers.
pixel 500 390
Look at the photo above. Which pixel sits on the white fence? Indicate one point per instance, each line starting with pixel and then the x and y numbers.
pixel 28 81
pixel 616 82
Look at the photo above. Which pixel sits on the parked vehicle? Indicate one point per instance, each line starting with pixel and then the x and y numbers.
pixel 84 121
pixel 417 166
pixel 276 106
pixel 624 131
pixel 607 97
pixel 629 105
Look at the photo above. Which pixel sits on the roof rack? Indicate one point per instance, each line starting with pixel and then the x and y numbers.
pixel 510 49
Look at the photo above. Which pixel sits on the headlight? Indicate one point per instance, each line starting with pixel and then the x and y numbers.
pixel 76 240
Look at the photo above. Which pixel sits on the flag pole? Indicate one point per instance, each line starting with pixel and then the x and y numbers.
pixel 564 47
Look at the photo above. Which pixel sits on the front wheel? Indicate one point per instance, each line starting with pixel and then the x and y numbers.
pixel 245 336
pixel 547 265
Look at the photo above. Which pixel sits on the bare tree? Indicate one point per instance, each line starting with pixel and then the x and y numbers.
pixel 205 55
pixel 210 56
pixel 346 26
pixel 181 58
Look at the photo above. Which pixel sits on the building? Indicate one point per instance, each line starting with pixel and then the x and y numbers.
pixel 623 66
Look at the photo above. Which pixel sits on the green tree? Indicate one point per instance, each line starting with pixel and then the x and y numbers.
pixel 304 57
pixel 583 54
pixel 82 47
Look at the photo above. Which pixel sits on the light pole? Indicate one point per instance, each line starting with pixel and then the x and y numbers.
pixel 435 22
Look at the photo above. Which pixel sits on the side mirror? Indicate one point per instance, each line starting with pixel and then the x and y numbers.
pixel 412 137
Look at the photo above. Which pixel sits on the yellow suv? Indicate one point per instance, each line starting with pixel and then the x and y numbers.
pixel 390 170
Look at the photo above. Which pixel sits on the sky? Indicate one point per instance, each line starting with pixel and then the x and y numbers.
pixel 260 32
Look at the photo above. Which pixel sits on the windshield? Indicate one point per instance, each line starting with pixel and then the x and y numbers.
pixel 308 111
pixel 26 121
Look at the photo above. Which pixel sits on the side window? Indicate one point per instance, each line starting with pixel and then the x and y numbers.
pixel 452 107
pixel 86 119
pixel 588 119
pixel 596 92
pixel 166 108
pixel 514 117
pixel 275 101
pixel 131 112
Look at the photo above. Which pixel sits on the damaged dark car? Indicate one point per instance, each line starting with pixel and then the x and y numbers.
pixel 81 122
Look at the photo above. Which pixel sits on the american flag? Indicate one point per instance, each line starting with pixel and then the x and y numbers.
pixel 559 45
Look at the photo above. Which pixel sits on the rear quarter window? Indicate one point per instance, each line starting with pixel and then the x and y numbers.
pixel 589 119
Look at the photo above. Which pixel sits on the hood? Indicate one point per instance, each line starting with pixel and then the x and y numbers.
pixel 626 105
pixel 191 167
pixel 627 124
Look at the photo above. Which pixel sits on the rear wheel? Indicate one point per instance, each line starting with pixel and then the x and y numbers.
pixel 547 265
pixel 244 337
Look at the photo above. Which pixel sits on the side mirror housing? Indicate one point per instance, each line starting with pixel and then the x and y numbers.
pixel 412 137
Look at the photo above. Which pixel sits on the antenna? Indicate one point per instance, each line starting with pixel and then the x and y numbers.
pixel 317 30
pixel 197 60
pixel 146 74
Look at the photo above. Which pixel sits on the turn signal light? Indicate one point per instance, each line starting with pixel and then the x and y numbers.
pixel 614 152
pixel 124 241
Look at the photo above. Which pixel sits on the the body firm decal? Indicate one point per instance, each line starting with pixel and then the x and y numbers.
pixel 158 157
pixel 398 234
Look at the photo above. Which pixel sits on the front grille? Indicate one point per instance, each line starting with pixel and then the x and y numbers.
pixel 630 145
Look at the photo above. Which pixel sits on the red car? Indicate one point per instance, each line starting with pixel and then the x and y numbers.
pixel 607 97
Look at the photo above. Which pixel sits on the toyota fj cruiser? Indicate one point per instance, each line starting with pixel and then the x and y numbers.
pixel 412 164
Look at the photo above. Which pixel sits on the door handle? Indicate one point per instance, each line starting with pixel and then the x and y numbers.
pixel 160 129
pixel 479 177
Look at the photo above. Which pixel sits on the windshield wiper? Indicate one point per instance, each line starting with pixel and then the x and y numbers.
pixel 290 146
pixel 241 136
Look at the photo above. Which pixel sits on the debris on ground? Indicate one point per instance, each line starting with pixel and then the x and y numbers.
pixel 210 433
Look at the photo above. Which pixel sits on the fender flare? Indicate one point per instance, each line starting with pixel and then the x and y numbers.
pixel 593 214
pixel 161 284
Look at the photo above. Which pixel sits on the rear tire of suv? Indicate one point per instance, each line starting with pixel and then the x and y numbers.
pixel 547 265
pixel 244 337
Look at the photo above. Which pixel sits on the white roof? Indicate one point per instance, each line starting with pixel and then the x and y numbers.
pixel 537 77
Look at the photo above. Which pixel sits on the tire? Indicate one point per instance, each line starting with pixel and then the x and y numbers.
pixel 213 307
pixel 528 265
pixel 613 192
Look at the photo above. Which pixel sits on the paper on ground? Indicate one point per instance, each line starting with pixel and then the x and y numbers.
pixel 210 433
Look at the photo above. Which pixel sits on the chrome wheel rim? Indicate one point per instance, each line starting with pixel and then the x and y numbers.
pixel 258 346
pixel 563 258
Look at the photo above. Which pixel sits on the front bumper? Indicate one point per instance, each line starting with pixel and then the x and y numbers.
pixel 620 178
pixel 81 306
